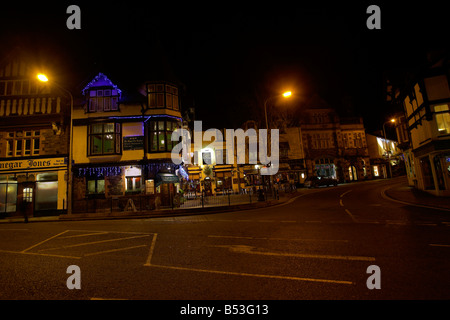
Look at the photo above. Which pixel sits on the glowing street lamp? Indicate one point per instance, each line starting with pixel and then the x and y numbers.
pixel 387 144
pixel 286 94
pixel 43 78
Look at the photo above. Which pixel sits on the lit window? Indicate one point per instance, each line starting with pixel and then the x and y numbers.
pixel 375 171
pixel 442 118
pixel 104 138
pixel 96 185
pixel 28 195
pixel 160 133
pixel 133 183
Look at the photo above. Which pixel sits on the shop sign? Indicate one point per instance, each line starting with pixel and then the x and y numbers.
pixel 31 164
pixel 133 143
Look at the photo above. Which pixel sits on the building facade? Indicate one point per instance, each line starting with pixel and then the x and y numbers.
pixel 426 102
pixel 386 159
pixel 34 141
pixel 333 146
pixel 122 147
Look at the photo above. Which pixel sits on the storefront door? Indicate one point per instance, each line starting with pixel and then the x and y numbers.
pixel 26 198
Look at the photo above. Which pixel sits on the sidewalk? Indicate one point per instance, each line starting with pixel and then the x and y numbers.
pixel 405 193
pixel 155 213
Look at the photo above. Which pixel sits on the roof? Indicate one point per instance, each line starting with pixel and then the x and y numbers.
pixel 101 80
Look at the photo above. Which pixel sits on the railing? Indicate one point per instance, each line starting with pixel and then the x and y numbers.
pixel 115 204
pixel 142 203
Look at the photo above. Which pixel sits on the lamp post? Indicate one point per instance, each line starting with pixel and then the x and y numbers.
pixel 43 78
pixel 385 143
pixel 286 94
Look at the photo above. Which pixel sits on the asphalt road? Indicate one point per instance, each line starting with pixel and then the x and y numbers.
pixel 318 246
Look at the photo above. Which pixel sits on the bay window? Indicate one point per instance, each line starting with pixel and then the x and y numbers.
pixel 442 118
pixel 160 135
pixel 162 96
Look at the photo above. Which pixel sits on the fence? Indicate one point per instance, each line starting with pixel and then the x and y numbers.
pixel 140 203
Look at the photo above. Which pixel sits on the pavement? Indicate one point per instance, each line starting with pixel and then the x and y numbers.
pixel 399 191
pixel 155 213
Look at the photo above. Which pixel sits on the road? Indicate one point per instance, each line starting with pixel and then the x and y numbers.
pixel 317 246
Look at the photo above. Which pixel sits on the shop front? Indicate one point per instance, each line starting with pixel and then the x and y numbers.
pixel 193 183
pixel 435 173
pixel 224 178
pixel 167 186
pixel 33 187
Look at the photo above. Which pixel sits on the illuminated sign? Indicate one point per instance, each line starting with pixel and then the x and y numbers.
pixel 30 164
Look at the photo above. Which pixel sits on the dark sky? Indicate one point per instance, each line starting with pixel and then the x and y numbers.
pixel 231 55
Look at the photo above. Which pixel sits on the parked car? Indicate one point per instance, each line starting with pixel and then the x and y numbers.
pixel 314 182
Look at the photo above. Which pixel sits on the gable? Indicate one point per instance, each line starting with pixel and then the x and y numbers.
pixel 101 81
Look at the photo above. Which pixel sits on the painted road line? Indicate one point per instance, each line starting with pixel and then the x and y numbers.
pixel 345 193
pixel 40 254
pixel 107 299
pixel 126 232
pixel 37 244
pixel 243 274
pixel 113 250
pixel 251 250
pixel 439 245
pixel 152 248
pixel 341 203
pixel 94 242
pixel 84 235
pixel 350 214
pixel 275 239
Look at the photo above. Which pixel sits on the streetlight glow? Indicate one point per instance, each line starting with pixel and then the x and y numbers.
pixel 287 94
pixel 392 120
pixel 42 77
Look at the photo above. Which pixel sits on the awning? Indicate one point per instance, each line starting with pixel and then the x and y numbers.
pixel 222 168
pixel 166 178
pixel 194 170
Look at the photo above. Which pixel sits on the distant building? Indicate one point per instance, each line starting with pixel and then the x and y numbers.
pixel 334 146
pixel 382 152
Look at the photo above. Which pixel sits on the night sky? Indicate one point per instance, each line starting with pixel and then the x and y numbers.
pixel 231 55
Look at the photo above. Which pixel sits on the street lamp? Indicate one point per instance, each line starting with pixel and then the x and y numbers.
pixel 387 144
pixel 43 78
pixel 286 94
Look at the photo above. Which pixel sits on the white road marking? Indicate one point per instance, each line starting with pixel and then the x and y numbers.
pixel 350 214
pixel 37 244
pixel 251 250
pixel 94 242
pixel 152 248
pixel 439 245
pixel 267 276
pixel 275 239
pixel 113 250
pixel 345 193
